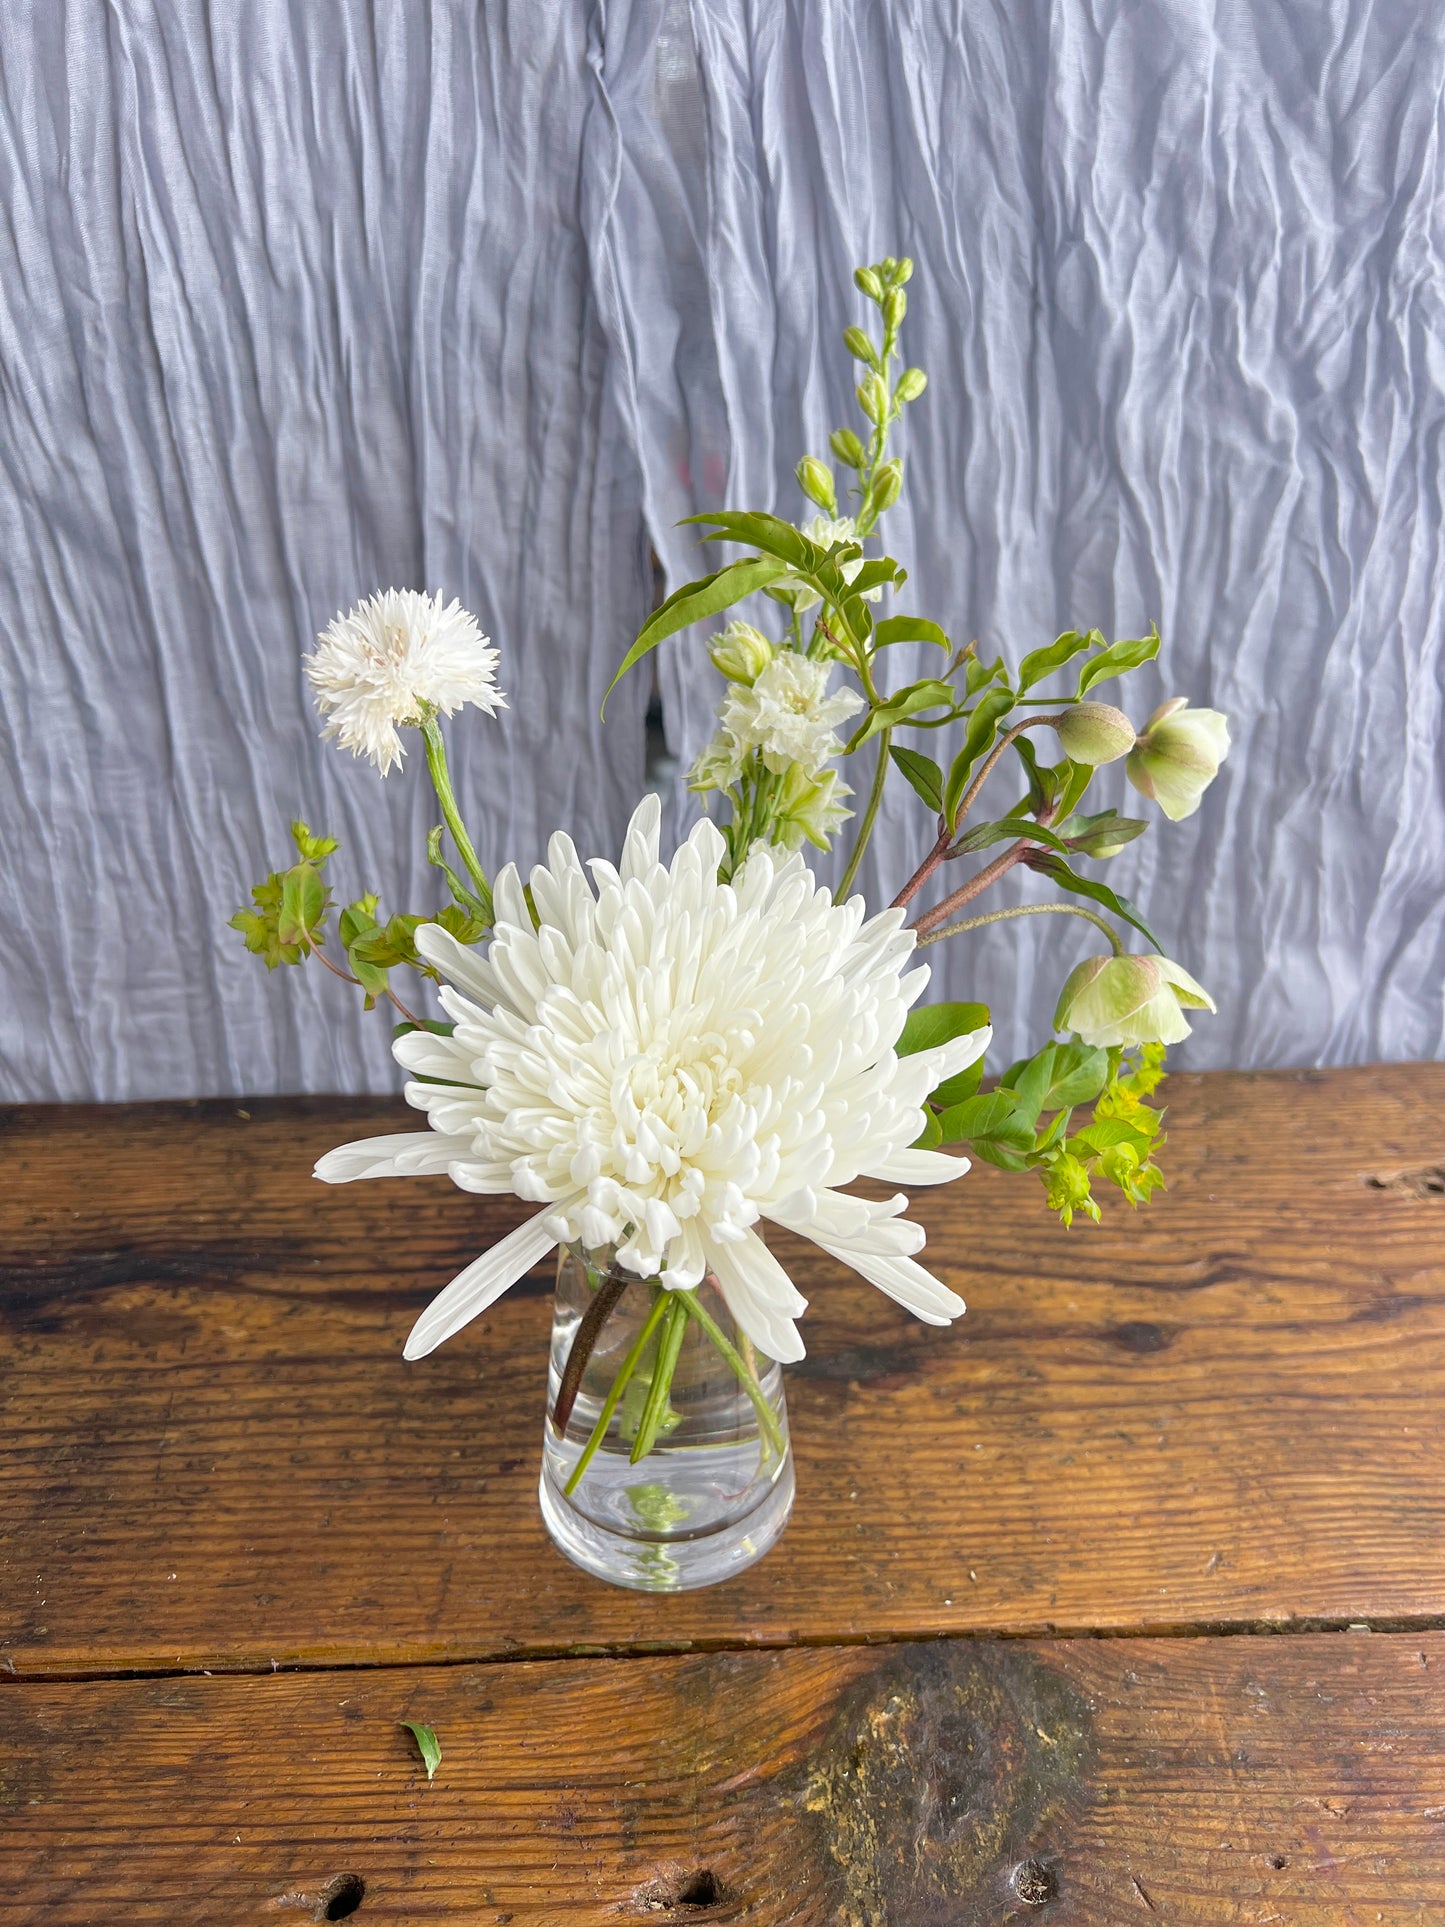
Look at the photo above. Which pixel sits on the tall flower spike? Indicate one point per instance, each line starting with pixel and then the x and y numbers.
pixel 393 657
pixel 665 1061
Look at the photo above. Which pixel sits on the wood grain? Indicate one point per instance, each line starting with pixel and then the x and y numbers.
pixel 1296 1781
pixel 1223 1411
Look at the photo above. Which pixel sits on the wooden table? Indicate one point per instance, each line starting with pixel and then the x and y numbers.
pixel 1119 1603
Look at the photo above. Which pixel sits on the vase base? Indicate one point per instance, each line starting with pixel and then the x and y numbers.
pixel 667 1564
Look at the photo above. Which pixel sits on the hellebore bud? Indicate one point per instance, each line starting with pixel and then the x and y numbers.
pixel 1129 1000
pixel 815 479
pixel 911 384
pixel 1178 756
pixel 1095 733
pixel 741 652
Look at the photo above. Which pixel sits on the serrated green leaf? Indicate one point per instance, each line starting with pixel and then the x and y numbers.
pixel 1102 833
pixel 1050 865
pixel 427 1744
pixel 909 629
pixel 982 835
pixel 924 775
pixel 694 602
pixel 899 708
pixel 929 1025
pixel 982 727
pixel 1117 659
pixel 1043 662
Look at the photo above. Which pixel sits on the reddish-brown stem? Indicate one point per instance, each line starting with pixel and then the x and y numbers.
pixel 584 1343
pixel 975 886
pixel 347 978
pixel 971 793
pixel 925 869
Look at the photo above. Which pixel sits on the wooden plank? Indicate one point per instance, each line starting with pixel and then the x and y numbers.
pixel 1290 1780
pixel 1222 1411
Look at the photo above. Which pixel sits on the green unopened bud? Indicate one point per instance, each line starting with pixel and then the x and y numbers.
pixel 873 397
pixel 903 271
pixel 868 283
pixel 888 267
pixel 741 652
pixel 847 447
pixel 886 487
pixel 911 384
pixel 858 345
pixel 815 479
pixel 895 306
pixel 1178 756
pixel 1129 1000
pixel 1095 733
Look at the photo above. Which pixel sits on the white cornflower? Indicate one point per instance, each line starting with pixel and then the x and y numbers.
pixel 665 1062
pixel 826 530
pixel 787 715
pixel 392 655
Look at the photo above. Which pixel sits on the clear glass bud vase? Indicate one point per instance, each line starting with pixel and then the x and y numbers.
pixel 674 1483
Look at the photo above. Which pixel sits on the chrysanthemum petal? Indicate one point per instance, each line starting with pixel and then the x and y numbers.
pixel 761 1296
pixel 480 1285
pixel 402 1154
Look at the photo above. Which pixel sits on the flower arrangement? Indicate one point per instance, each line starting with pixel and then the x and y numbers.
pixel 663 1057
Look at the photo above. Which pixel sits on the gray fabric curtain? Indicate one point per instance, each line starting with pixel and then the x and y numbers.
pixel 298 302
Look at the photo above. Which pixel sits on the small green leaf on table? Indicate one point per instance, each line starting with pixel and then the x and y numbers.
pixel 427 1744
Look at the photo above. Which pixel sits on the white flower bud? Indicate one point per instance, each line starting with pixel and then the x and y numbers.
pixel 1129 1000
pixel 741 652
pixel 1095 733
pixel 1178 756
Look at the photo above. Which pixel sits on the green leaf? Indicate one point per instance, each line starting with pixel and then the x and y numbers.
pixel 930 1025
pixel 953 1090
pixel 427 1744
pixel 982 727
pixel 313 849
pixel 1032 1083
pixel 1117 659
pixel 463 893
pixel 357 920
pixel 878 571
pixel 924 775
pixel 931 1135
pixel 464 925
pixel 909 629
pixel 760 531
pixel 303 903
pixel 993 1129
pixel 1049 865
pixel 695 601
pixel 1078 1074
pixel 1043 662
pixel 898 709
pixel 1106 1132
pixel 984 834
pixel 1101 834
pixel 439 1027
pixel 1043 781
pixel 977 674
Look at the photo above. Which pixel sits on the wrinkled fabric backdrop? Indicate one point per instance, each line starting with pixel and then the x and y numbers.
pixel 298 302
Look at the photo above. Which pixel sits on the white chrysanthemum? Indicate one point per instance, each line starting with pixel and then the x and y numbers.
pixel 665 1062
pixel 787 715
pixel 826 530
pixel 375 668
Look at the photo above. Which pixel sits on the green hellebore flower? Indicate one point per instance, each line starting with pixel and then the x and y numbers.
pixel 1129 1000
pixel 741 652
pixel 1178 756
pixel 1094 733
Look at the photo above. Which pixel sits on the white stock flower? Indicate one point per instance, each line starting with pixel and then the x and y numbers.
pixel 663 1063
pixel 787 715
pixel 810 808
pixel 826 530
pixel 718 766
pixel 395 652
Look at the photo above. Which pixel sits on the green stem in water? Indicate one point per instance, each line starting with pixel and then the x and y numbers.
pixel 654 1409
pixel 748 1380
pixel 619 1386
pixel 1026 910
pixel 870 815
pixel 436 762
